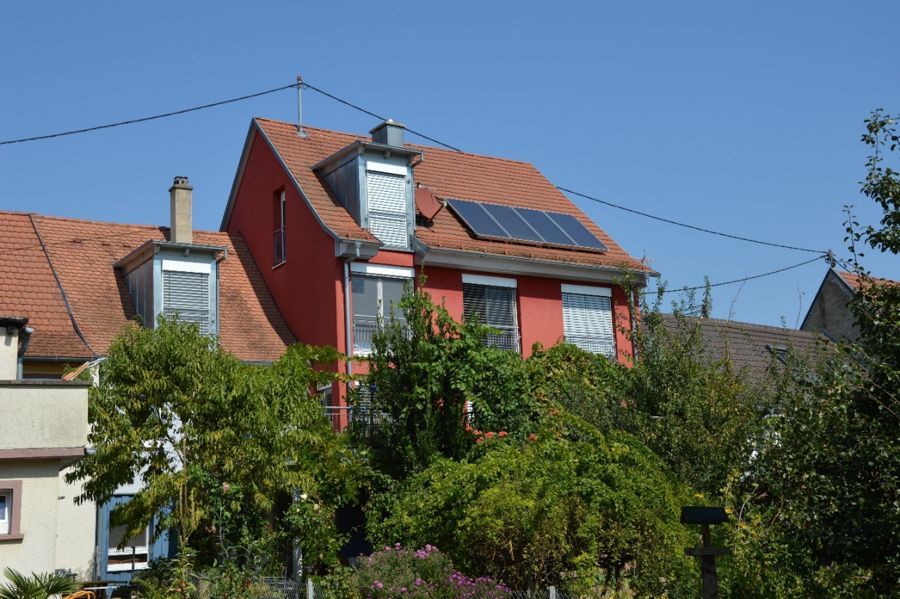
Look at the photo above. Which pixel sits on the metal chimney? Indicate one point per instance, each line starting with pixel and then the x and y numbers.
pixel 389 133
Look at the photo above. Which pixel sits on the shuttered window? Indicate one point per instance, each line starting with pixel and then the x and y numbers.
pixel 588 322
pixel 496 308
pixel 387 208
pixel 187 295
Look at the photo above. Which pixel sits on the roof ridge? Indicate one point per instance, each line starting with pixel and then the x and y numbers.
pixel 411 145
pixel 744 324
pixel 112 223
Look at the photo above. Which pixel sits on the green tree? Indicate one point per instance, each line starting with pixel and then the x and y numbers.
pixel 433 380
pixel 217 445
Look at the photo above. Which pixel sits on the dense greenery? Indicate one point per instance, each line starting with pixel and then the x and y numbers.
pixel 40 585
pixel 219 446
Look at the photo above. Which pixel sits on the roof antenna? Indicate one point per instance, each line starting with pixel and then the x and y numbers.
pixel 300 130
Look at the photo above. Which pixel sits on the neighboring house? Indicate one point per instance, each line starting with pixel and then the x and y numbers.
pixel 43 430
pixel 829 313
pixel 341 224
pixel 81 283
pixel 750 348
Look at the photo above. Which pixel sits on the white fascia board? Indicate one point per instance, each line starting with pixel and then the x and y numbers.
pixel 493 263
pixel 586 290
pixel 182 266
pixel 386 167
pixel 490 281
pixel 382 270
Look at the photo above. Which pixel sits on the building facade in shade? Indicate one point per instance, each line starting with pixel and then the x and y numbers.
pixel 340 225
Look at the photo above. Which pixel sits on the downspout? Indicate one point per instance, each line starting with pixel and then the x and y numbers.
pixel 20 363
pixel 348 317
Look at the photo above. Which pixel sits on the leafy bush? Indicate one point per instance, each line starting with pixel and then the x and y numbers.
pixel 36 586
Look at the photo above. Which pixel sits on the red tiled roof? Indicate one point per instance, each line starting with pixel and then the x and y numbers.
pixel 82 254
pixel 854 281
pixel 448 174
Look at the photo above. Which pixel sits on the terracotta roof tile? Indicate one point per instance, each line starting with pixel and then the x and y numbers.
pixel 83 254
pixel 854 281
pixel 447 174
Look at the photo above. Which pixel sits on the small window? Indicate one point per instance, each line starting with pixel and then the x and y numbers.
pixel 374 299
pixel 388 218
pixel 587 319
pixel 134 553
pixel 494 306
pixel 280 239
pixel 5 512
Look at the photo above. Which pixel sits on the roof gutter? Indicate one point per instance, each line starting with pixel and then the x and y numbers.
pixel 512 265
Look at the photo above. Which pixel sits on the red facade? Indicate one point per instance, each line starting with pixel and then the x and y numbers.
pixel 309 286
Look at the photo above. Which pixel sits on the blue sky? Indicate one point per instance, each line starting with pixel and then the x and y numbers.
pixel 739 118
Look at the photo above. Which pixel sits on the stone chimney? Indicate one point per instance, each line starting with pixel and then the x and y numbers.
pixel 10 330
pixel 389 133
pixel 181 230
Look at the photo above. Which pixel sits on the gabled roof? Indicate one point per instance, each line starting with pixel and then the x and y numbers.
pixel 447 174
pixel 59 272
pixel 749 347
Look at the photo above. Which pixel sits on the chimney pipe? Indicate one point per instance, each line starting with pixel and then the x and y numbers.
pixel 180 226
pixel 389 133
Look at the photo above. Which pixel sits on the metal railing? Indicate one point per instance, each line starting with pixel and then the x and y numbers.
pixel 364 328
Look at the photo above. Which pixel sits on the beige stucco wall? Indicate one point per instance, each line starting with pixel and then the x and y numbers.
pixel 43 415
pixel 57 533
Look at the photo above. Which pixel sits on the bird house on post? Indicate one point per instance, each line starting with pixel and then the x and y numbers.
pixel 704 516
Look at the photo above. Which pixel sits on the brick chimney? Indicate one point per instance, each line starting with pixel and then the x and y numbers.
pixel 181 230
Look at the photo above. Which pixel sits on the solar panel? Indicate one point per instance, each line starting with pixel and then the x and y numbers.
pixel 477 219
pixel 524 224
pixel 578 232
pixel 545 227
pixel 513 223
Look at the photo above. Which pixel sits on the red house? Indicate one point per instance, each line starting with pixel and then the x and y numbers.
pixel 340 223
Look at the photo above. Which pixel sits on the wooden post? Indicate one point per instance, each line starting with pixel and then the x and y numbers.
pixel 704 516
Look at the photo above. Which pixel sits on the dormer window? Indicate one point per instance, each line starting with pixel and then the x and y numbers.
pixel 186 293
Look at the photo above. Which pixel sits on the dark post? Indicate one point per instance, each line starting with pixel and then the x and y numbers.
pixel 704 516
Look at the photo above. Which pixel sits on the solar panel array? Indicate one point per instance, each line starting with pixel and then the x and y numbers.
pixel 494 221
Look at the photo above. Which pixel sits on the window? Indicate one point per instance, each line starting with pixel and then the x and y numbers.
pixel 134 553
pixel 375 299
pixel 10 509
pixel 5 512
pixel 280 239
pixel 587 318
pixel 186 292
pixel 387 213
pixel 492 301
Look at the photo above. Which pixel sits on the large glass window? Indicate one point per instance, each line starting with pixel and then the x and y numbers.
pixel 134 553
pixel 588 320
pixel 494 306
pixel 375 299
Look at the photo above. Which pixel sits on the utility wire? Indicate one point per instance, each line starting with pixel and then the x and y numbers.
pixel 377 116
pixel 735 281
pixel 687 226
pixel 148 118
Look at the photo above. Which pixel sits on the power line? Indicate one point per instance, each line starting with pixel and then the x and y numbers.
pixel 687 226
pixel 735 281
pixel 148 118
pixel 377 116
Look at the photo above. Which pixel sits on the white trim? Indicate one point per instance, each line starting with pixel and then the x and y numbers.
pixel 585 290
pixel 381 270
pixel 127 567
pixel 386 167
pixel 491 281
pixel 183 266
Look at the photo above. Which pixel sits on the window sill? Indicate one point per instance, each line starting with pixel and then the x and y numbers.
pixel 12 537
pixel 280 264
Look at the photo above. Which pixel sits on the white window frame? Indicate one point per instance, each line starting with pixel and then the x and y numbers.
pixel 127 552
pixel 391 170
pixel 6 512
pixel 375 272
pixel 585 290
pixel 503 283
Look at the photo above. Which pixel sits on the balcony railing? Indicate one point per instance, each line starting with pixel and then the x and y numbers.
pixel 364 328
pixel 503 339
pixel 279 242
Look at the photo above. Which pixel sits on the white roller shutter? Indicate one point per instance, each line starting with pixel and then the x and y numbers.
pixel 187 295
pixel 386 195
pixel 496 308
pixel 588 323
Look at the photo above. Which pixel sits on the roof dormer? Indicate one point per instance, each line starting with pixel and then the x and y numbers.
pixel 374 182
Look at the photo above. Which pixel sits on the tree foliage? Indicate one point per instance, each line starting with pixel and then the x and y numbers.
pixel 217 445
